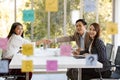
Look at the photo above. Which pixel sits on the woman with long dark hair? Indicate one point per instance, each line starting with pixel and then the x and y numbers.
pixel 15 42
pixel 97 47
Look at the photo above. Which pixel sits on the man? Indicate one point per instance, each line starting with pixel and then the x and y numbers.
pixel 81 37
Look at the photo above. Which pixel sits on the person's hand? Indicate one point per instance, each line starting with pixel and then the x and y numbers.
pixel 38 42
pixel 45 41
pixel 85 54
pixel 76 52
pixel 49 41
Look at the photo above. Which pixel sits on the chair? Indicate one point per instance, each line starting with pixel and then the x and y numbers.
pixel 116 65
pixel 109 50
pixel 11 74
pixel 117 58
pixel 5 74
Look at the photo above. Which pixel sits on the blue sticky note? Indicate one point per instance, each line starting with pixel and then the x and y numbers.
pixel 89 5
pixel 28 15
pixel 91 60
pixel 4 66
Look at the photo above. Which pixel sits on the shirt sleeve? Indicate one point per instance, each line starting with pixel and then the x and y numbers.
pixel 13 46
pixel 101 49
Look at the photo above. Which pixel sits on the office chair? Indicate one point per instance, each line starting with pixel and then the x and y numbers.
pixel 109 50
pixel 11 74
pixel 117 58
pixel 116 65
pixel 6 72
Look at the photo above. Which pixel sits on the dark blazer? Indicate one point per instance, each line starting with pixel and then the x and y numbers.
pixel 75 37
pixel 99 49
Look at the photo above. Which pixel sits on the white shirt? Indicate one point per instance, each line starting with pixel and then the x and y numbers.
pixel 14 44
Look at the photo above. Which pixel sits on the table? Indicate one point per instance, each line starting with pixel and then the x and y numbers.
pixel 40 58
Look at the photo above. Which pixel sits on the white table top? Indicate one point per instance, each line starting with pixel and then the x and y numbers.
pixel 40 58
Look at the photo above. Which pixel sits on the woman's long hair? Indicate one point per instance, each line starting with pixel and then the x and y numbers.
pixel 12 30
pixel 97 29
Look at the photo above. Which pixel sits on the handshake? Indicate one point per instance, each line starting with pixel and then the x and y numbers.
pixel 44 41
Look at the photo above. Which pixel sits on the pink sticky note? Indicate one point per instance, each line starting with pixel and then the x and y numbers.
pixel 52 65
pixel 65 50
pixel 3 43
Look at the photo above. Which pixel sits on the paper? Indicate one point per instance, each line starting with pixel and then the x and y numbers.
pixel 65 50
pixel 4 66
pixel 27 66
pixel 28 49
pixel 0 54
pixel 89 5
pixel 112 28
pixel 51 5
pixel 91 60
pixel 3 43
pixel 28 15
pixel 52 65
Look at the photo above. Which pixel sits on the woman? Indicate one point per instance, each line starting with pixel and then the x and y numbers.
pixel 15 41
pixel 97 46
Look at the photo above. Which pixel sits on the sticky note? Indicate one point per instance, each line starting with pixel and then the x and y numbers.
pixel 4 66
pixel 65 50
pixel 27 49
pixel 89 5
pixel 3 43
pixel 28 15
pixel 51 5
pixel 52 65
pixel 91 60
pixel 27 66
pixel 0 54
pixel 112 28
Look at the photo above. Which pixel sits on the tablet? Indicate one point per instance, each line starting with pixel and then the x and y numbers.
pixel 79 56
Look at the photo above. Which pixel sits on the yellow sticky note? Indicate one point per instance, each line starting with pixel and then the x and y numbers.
pixel 51 5
pixel 112 28
pixel 27 66
pixel 27 49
